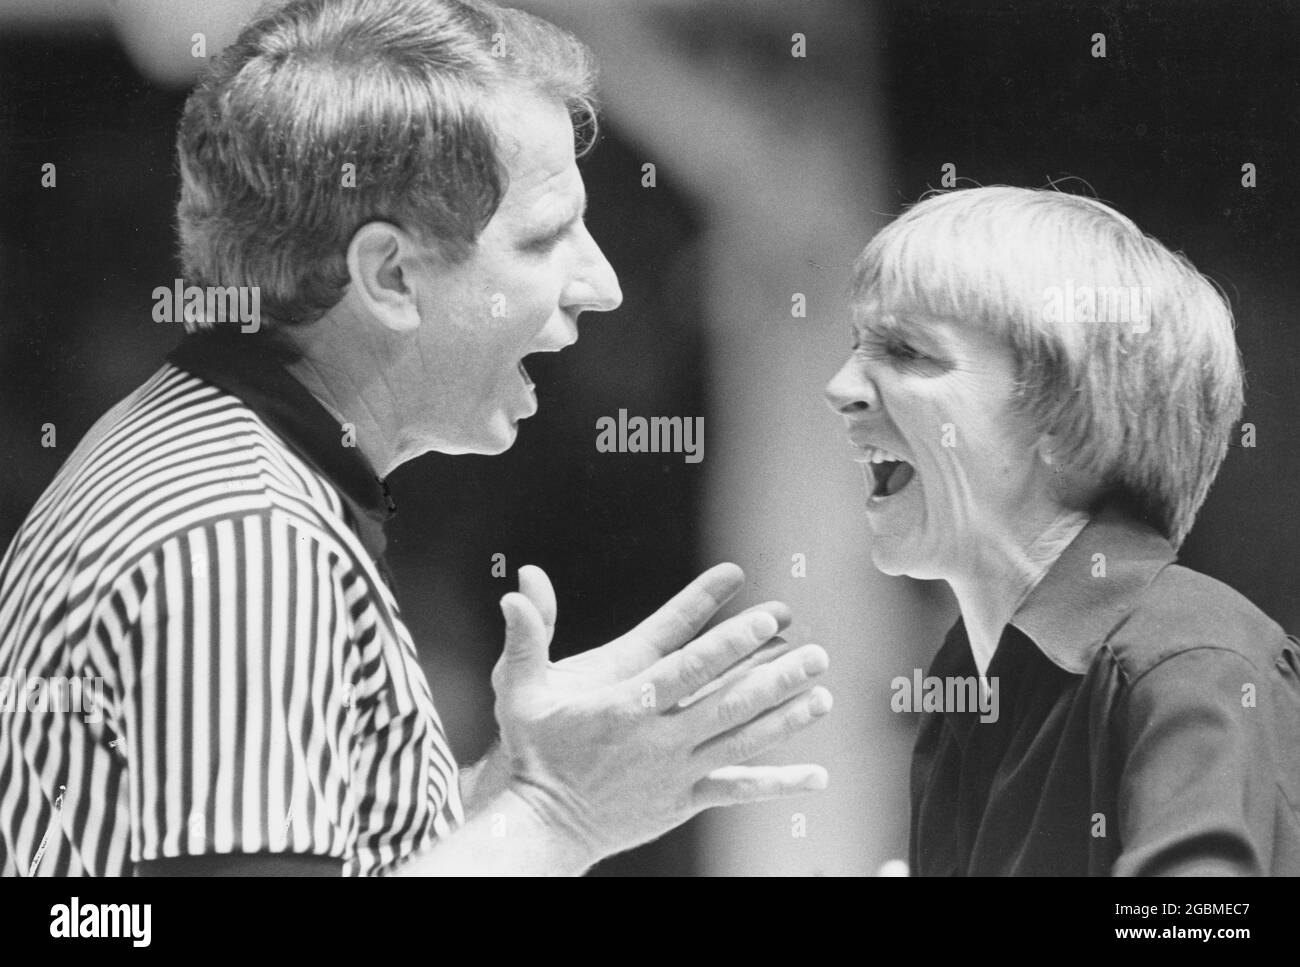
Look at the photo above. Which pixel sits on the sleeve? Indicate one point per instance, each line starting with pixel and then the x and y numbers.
pixel 1195 795
pixel 236 715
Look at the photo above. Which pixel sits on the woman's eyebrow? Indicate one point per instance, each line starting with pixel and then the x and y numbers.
pixel 911 330
pixel 883 324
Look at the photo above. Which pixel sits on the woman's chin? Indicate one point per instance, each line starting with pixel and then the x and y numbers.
pixel 890 556
pixel 895 540
pixel 898 557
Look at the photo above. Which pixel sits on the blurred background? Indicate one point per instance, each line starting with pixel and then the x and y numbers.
pixel 783 134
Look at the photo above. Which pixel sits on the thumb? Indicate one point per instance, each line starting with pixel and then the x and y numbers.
pixel 525 655
pixel 536 587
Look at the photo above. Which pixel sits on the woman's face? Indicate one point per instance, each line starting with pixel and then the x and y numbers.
pixel 936 394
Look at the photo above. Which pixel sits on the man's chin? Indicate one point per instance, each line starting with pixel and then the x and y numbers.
pixel 503 432
pixel 502 437
pixel 496 437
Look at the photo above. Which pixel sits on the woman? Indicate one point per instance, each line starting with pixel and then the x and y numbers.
pixel 1040 396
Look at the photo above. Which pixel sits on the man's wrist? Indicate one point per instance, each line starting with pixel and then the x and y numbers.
pixel 498 787
pixel 485 780
pixel 538 824
pixel 510 835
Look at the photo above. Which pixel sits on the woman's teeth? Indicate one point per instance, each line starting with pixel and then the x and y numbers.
pixel 890 472
pixel 877 455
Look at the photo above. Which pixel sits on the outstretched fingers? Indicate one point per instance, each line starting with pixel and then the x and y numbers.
pixel 766 730
pixel 733 785
pixel 771 651
pixel 687 670
pixel 682 617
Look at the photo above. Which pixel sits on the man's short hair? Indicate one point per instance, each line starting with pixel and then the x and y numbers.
pixel 1124 352
pixel 392 96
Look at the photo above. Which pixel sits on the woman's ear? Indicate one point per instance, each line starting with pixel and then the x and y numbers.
pixel 1048 451
pixel 381 259
pixel 1073 486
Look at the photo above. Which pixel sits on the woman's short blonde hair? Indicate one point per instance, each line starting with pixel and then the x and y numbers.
pixel 1124 352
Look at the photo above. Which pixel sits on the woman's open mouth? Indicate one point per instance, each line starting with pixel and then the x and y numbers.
pixel 890 473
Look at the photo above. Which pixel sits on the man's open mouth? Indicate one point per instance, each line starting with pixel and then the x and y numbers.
pixel 890 473
pixel 549 346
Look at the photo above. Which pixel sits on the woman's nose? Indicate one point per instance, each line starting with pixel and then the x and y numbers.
pixel 849 391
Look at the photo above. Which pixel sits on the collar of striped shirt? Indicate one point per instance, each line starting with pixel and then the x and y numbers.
pixel 245 367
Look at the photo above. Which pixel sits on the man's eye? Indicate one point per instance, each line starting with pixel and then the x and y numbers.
pixel 545 243
pixel 542 245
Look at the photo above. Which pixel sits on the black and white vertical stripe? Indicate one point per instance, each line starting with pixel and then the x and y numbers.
pixel 260 690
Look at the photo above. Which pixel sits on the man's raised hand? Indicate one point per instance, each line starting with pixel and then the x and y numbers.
pixel 620 744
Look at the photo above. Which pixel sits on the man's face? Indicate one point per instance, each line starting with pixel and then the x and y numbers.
pixel 535 268
pixel 962 475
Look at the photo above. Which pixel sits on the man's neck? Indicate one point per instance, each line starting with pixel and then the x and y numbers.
pixel 345 374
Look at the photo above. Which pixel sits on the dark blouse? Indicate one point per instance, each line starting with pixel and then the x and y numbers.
pixel 1148 723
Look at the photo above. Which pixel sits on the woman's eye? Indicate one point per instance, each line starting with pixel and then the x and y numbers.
pixel 884 346
pixel 901 350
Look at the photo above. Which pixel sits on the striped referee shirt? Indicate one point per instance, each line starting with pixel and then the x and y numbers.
pixel 199 649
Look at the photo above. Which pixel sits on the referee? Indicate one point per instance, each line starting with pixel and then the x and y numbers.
pixel 395 182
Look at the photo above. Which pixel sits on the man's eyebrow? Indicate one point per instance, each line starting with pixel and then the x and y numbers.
pixel 570 216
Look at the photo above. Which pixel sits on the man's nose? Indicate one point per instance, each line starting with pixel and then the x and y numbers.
pixel 850 392
pixel 595 284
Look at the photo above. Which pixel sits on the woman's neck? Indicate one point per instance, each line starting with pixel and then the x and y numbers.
pixel 991 592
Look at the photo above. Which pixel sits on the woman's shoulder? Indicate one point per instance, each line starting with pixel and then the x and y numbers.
pixel 1184 611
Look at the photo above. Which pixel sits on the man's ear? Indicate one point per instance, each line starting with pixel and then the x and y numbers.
pixel 380 260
